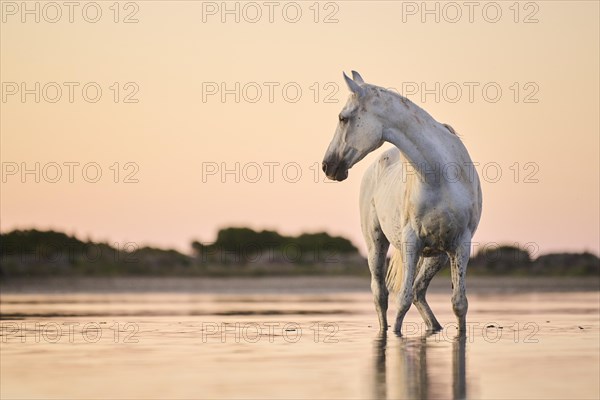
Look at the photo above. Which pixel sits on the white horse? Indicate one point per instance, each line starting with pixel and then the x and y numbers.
pixel 423 197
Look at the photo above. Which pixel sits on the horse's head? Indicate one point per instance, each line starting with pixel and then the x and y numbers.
pixel 358 133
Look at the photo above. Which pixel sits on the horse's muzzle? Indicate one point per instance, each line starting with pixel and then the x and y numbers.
pixel 336 171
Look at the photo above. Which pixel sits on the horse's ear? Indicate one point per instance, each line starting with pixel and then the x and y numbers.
pixel 357 78
pixel 353 86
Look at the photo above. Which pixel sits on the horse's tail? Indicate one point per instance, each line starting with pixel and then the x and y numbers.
pixel 395 272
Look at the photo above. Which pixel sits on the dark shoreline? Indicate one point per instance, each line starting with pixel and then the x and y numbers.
pixel 278 284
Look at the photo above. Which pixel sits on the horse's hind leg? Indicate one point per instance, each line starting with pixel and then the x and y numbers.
pixel 458 268
pixel 377 246
pixel 429 266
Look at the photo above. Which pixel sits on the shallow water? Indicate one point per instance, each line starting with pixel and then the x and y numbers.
pixel 316 344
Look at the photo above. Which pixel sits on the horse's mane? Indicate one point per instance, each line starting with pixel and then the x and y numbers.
pixel 451 129
pixel 394 93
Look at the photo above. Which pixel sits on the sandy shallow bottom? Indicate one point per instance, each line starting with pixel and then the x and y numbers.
pixel 300 344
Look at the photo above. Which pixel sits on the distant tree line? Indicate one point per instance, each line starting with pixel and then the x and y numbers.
pixel 243 251
pixel 244 245
pixel 34 252
pixel 235 251
pixel 504 260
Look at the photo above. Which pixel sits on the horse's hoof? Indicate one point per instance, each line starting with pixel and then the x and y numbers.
pixel 398 330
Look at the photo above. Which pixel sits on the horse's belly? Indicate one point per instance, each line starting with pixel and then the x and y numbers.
pixel 438 228
pixel 438 219
pixel 441 229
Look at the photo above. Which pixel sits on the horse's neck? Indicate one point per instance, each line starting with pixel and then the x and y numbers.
pixel 417 137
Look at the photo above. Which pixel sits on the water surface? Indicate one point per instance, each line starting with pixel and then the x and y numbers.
pixel 277 342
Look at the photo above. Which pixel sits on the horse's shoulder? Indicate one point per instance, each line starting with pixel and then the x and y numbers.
pixel 388 157
pixel 379 166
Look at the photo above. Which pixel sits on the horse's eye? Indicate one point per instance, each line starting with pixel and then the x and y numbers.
pixel 342 118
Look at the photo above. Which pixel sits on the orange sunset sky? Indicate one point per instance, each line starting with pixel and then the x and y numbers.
pixel 519 83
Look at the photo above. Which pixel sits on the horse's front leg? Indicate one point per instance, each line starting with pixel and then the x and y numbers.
pixel 377 253
pixel 411 250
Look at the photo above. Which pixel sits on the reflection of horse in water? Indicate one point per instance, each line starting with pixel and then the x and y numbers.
pixel 411 377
